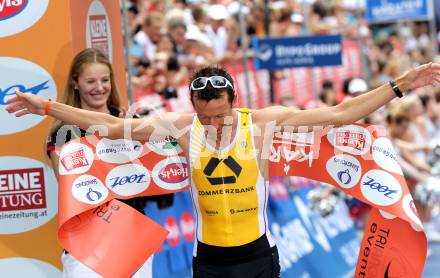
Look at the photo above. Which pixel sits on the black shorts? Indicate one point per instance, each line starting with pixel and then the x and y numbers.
pixel 266 265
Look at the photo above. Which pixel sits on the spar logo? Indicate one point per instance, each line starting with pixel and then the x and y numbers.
pixel 118 151
pixel 128 179
pixel 381 188
pixel 98 33
pixel 171 173
pixel 89 189
pixel 18 15
pixel 345 169
pixel 75 158
pixel 28 194
pixel 11 8
pixel 22 189
pixel 352 139
pixel 27 77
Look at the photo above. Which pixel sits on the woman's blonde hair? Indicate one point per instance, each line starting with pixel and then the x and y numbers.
pixel 71 95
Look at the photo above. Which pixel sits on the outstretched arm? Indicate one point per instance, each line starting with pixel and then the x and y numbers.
pixel 353 109
pixel 137 129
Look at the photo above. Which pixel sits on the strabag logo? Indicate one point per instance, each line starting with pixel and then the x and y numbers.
pixel 171 173
pixel 27 77
pixel 128 179
pixel 22 189
pixel 28 194
pixel 381 188
pixel 352 139
pixel 11 8
pixel 98 32
pixel 75 158
pixel 18 15
pixel 118 151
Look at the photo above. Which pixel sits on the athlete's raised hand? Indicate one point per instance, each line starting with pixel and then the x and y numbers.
pixel 25 103
pixel 424 75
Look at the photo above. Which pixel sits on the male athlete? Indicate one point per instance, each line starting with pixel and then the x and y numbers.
pixel 223 146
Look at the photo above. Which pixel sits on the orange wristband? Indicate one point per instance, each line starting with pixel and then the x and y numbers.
pixel 47 106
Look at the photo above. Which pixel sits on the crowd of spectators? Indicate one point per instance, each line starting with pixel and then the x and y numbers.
pixel 169 39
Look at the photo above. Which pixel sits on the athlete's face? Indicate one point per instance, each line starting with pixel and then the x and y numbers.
pixel 213 112
pixel 94 85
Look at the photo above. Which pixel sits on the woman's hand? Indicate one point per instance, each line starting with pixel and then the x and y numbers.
pixel 25 103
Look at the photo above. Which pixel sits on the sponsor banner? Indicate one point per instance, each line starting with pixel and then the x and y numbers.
pixel 18 15
pixel 27 267
pixel 27 77
pixel 28 194
pixel 98 31
pixel 378 11
pixel 354 158
pixel 304 51
pixel 94 172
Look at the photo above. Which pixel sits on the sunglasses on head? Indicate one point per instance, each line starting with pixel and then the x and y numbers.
pixel 216 81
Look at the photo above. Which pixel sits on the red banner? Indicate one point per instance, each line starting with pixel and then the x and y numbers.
pixel 100 231
pixel 361 161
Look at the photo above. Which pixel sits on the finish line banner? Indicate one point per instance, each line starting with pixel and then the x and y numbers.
pixel 361 161
pixel 107 235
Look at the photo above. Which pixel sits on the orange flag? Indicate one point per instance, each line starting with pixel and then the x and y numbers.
pixel 105 234
pixel 360 160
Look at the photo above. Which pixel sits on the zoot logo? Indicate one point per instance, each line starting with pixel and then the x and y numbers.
pixel 128 179
pixel 89 189
pixel 381 188
pixel 27 77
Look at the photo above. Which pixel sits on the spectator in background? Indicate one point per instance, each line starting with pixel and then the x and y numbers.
pixel 328 94
pixel 149 34
pixel 216 31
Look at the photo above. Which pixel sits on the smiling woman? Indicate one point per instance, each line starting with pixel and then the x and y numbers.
pixel 90 86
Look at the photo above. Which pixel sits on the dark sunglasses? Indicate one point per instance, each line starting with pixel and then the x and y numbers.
pixel 216 81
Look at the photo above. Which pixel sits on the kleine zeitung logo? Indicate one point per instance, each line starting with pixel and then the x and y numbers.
pixel 171 173
pixel 128 179
pixel 27 77
pixel 22 189
pixel 28 194
pixel 98 31
pixel 381 188
pixel 18 15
